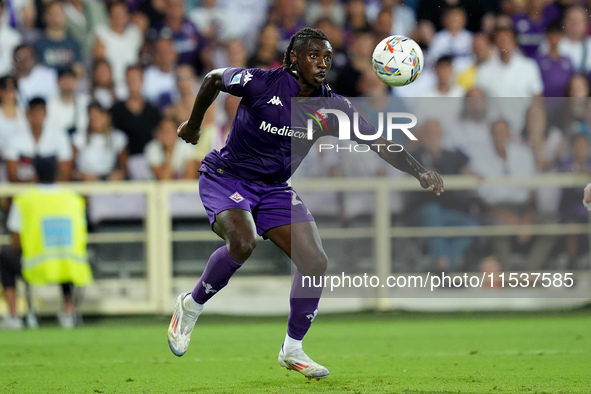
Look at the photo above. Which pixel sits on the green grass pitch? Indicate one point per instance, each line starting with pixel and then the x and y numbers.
pixel 365 353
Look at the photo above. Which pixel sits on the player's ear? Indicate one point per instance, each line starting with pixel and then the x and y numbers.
pixel 293 57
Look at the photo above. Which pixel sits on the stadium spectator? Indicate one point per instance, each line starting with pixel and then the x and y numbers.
pixel 359 51
pixel 510 75
pixel 12 119
pixel 34 80
pixel 331 9
pixel 189 45
pixel 570 115
pixel 445 87
pixel 67 111
pixel 243 20
pixel 575 44
pixel 119 42
pixel 288 16
pixel 482 51
pixel 403 17
pixel 356 20
pixel 209 20
pixel 578 162
pixel 339 52
pixel 52 250
pixel 235 54
pixel 437 107
pixel 20 15
pixel 506 205
pixel 383 24
pixel 451 208
pixel 432 11
pixel 471 133
pixel 137 119
pixel 555 69
pixel 531 23
pixel 267 54
pixel 39 138
pixel 82 18
pixel 159 78
pixel 170 157
pixel 453 40
pixel 186 83
pixel 102 87
pixel 56 48
pixel 11 38
pixel 101 152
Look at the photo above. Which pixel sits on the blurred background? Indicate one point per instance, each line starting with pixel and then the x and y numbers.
pixel 502 101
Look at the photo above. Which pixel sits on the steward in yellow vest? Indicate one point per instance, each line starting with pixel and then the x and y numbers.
pixel 48 223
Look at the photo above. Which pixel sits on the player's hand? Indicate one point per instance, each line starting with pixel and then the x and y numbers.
pixel 188 135
pixel 587 194
pixel 431 179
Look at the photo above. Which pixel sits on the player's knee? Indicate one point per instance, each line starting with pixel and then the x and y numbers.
pixel 315 266
pixel 240 249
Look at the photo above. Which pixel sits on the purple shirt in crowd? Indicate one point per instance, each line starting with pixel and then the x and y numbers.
pixel 555 74
pixel 530 34
pixel 266 144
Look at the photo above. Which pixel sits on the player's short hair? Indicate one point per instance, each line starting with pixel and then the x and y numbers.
pixel 299 40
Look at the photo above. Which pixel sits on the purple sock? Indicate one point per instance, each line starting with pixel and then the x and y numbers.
pixel 218 271
pixel 303 302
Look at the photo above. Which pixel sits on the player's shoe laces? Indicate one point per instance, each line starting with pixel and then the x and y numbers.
pixel 181 326
pixel 297 360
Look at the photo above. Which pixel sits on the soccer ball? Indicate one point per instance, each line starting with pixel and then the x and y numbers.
pixel 397 60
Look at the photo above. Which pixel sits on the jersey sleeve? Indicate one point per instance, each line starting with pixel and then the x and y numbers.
pixel 244 82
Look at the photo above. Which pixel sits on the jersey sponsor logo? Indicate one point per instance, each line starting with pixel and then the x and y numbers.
pixel 236 79
pixel 247 77
pixel 284 131
pixel 275 101
pixel 236 197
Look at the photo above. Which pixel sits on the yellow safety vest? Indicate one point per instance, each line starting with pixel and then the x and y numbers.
pixel 53 237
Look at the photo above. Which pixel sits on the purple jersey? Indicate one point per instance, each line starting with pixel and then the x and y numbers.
pixel 264 144
pixel 555 74
pixel 530 33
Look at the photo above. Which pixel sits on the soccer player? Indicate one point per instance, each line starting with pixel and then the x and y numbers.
pixel 243 186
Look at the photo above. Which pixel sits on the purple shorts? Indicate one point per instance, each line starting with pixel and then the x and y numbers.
pixel 270 205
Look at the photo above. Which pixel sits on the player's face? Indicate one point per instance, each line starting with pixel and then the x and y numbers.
pixel 314 62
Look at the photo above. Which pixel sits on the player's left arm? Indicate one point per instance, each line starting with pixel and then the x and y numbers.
pixel 190 130
pixel 404 161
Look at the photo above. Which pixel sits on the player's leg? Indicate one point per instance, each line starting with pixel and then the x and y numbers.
pixel 237 228
pixel 301 242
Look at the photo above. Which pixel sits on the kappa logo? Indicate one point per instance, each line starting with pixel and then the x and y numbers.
pixel 208 288
pixel 312 316
pixel 247 77
pixel 236 197
pixel 275 101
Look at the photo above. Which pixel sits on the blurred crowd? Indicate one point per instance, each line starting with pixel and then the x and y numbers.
pixel 102 85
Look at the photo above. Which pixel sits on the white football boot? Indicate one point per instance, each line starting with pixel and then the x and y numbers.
pixel 181 326
pixel 297 360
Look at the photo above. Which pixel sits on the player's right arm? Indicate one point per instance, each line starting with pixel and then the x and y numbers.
pixel 190 130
